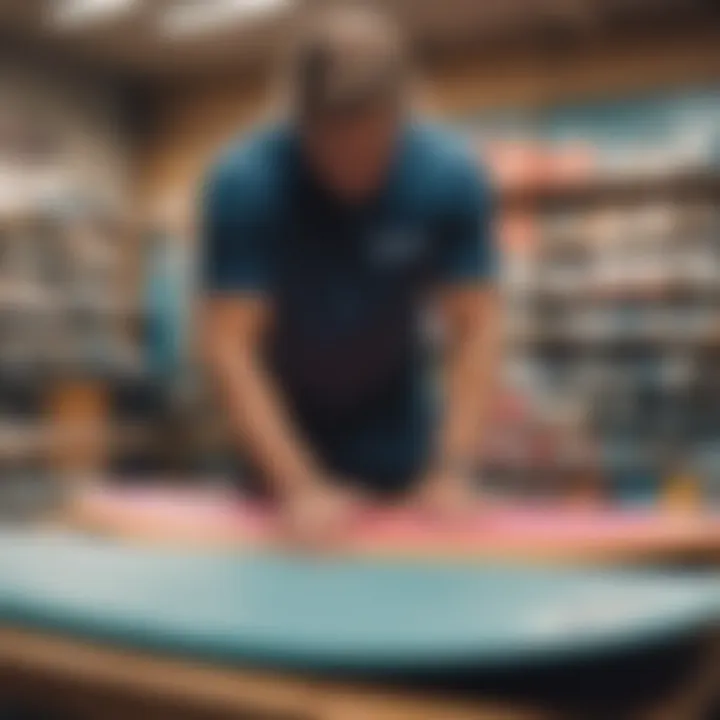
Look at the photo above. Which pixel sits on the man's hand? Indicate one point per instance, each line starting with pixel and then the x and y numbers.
pixel 315 516
pixel 447 496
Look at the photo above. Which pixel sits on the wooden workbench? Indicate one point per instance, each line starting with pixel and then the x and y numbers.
pixel 73 680
pixel 88 682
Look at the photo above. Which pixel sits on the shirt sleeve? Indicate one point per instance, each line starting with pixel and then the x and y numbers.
pixel 468 253
pixel 235 237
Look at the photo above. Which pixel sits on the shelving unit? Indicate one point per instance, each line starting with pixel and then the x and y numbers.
pixel 65 324
pixel 612 282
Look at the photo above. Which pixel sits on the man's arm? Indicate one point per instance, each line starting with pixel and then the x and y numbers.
pixel 233 329
pixel 237 280
pixel 470 314
pixel 238 283
pixel 472 320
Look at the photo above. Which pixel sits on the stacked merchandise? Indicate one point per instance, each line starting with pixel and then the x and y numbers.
pixel 611 230
pixel 64 307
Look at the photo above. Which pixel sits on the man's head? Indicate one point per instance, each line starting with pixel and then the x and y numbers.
pixel 350 76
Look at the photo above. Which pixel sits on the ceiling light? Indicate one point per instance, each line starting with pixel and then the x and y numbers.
pixel 205 16
pixel 78 13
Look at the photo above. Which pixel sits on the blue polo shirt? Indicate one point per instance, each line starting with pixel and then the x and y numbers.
pixel 350 286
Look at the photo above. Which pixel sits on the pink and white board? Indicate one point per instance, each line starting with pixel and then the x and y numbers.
pixel 218 518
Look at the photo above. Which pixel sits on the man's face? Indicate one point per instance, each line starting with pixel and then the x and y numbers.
pixel 351 154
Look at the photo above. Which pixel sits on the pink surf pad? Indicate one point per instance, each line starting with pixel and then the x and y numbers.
pixel 214 517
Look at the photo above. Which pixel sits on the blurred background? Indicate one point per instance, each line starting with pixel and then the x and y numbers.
pixel 599 120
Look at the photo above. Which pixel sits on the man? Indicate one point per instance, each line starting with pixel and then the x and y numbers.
pixel 328 239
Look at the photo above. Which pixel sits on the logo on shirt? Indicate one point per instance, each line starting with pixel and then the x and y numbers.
pixel 397 247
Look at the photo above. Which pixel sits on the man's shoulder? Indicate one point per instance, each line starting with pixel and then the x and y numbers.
pixel 443 160
pixel 251 167
pixel 446 148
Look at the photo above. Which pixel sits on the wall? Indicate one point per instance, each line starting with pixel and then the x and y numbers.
pixel 193 121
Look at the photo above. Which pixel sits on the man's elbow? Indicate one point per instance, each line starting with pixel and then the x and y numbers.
pixel 215 345
pixel 476 318
pixel 225 351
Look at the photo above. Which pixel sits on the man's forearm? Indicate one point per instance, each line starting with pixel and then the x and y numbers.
pixel 257 416
pixel 470 380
